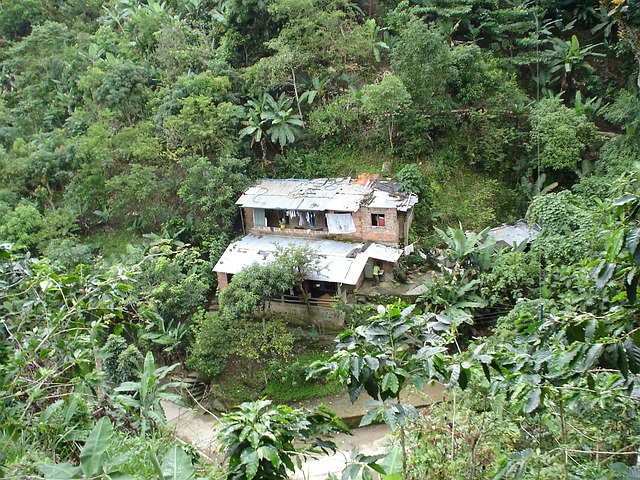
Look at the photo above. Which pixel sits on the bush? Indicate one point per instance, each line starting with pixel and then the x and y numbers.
pixel 208 353
pixel 69 252
pixel 513 275
pixel 297 164
pixel 121 362
pixel 565 135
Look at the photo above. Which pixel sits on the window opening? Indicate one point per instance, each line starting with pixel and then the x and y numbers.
pixel 377 220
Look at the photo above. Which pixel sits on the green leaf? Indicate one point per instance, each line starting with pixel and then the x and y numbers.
pixel 110 466
pixel 176 465
pixel 633 356
pixel 455 375
pixel 624 199
pixel 369 417
pixel 390 419
pixel 91 457
pixel 605 272
pixel 533 401
pixel 593 354
pixel 392 462
pixel 623 364
pixel 390 383
pixel 372 362
pixel 615 245
pixel 633 238
pixel 632 289
pixel 270 454
pixel 251 462
pixel 61 471
pixel 356 363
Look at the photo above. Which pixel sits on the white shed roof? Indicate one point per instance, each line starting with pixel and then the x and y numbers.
pixel 325 194
pixel 514 234
pixel 339 262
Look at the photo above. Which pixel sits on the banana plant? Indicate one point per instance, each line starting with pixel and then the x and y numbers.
pixel 453 294
pixel 96 464
pixel 283 123
pixel 568 56
pixel 468 248
pixel 94 461
pixel 143 397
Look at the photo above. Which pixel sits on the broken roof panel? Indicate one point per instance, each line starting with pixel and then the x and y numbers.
pixel 324 194
pixel 337 261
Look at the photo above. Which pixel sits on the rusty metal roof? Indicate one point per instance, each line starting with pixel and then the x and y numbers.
pixel 325 194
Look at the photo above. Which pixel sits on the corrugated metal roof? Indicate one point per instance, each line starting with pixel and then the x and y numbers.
pixel 514 234
pixel 323 194
pixel 339 262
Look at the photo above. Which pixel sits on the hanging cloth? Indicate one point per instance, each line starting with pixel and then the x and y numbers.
pixel 340 223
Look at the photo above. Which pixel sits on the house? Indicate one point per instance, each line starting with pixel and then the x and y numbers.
pixel 353 225
pixel 368 210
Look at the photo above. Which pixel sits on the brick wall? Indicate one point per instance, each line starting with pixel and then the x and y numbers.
pixel 248 218
pixel 390 233
pixel 222 280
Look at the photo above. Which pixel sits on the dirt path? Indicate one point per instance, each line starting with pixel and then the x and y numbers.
pixel 199 429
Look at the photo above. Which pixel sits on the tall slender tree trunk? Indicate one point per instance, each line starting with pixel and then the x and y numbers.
pixel 295 92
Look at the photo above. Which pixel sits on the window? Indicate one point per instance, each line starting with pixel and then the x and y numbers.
pixel 377 220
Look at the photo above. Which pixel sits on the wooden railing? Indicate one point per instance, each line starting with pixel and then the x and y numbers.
pixel 314 302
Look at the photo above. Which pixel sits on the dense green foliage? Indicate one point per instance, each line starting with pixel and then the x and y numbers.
pixel 129 128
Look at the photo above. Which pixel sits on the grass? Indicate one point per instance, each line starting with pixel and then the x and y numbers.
pixel 346 161
pixel 287 383
pixel 113 244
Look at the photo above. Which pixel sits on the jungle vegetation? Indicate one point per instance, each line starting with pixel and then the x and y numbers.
pixel 128 128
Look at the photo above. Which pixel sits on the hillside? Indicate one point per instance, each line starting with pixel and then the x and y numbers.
pixel 129 128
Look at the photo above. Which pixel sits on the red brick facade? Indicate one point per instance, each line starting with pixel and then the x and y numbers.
pixel 381 225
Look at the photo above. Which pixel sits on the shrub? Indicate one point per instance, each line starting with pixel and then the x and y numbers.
pixel 513 275
pixel 121 362
pixel 208 353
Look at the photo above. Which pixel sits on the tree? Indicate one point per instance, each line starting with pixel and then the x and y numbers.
pixel 204 127
pixel 123 88
pixel 385 100
pixel 301 263
pixel 566 137
pixel 250 288
pixel 209 191
pixel 626 16
pixel 422 61
pixel 18 16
